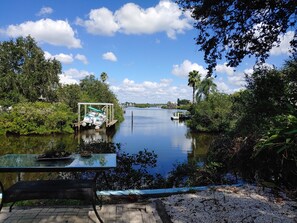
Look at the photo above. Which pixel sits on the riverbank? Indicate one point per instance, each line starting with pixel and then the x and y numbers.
pixel 231 204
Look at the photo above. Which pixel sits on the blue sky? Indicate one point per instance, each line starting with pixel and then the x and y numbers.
pixel 147 48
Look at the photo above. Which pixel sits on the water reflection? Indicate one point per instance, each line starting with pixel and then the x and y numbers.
pixel 151 129
pixel 169 139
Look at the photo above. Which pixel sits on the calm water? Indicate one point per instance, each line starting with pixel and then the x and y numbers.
pixel 151 129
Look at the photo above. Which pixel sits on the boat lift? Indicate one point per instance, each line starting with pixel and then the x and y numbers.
pixel 108 108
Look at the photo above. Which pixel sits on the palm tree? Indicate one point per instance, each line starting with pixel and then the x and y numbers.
pixel 206 87
pixel 194 81
pixel 103 77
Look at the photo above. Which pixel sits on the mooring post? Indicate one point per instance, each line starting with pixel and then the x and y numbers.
pixel 132 121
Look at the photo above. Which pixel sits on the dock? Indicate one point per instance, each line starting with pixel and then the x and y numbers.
pixel 106 108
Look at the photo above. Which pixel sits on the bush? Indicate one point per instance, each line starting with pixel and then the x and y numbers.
pixel 212 115
pixel 37 118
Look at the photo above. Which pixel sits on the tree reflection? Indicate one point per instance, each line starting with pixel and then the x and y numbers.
pixel 132 169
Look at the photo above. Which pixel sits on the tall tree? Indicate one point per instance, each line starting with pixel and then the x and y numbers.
pixel 25 74
pixel 70 95
pixel 194 81
pixel 103 77
pixel 240 28
pixel 206 87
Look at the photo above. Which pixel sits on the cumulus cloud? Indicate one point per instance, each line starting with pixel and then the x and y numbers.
pixel 58 33
pixel 63 58
pixel 81 58
pixel 237 80
pixel 284 46
pixel 101 22
pixel 224 69
pixel 132 19
pixel 66 58
pixel 72 76
pixel 182 70
pixel 223 87
pixel 45 11
pixel 150 91
pixel 109 56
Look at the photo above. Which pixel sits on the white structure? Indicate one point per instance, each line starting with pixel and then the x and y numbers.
pixel 106 117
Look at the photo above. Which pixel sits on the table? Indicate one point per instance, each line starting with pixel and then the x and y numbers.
pixel 54 189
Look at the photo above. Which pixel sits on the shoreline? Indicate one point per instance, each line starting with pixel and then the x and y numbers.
pixel 231 204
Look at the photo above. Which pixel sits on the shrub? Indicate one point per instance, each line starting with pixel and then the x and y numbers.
pixel 37 118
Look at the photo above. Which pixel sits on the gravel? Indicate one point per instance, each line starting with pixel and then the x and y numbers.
pixel 231 204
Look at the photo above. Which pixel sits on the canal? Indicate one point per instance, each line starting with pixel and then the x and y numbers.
pixel 143 128
pixel 171 140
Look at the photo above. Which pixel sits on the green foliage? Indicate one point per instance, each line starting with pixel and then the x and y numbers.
pixel 131 171
pixel 276 151
pixel 70 95
pixel 103 77
pixel 212 115
pixel 189 174
pixel 37 118
pixel 236 29
pixel 94 90
pixel 146 105
pixel 25 74
pixel 181 102
pixel 206 87
pixel 194 82
pixel 171 105
pixel 262 145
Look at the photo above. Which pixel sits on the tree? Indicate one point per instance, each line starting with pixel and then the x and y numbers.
pixel 25 74
pixel 103 77
pixel 94 90
pixel 194 81
pixel 70 95
pixel 241 28
pixel 206 87
pixel 212 115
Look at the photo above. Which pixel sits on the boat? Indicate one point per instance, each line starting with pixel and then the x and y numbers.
pixel 95 117
pixel 180 116
pixel 175 116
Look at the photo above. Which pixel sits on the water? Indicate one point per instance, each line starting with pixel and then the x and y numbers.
pixel 151 129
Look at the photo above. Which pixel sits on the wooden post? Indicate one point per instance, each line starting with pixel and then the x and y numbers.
pixel 132 118
pixel 78 120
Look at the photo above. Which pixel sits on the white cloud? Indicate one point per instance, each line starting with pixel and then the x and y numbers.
pixel 248 71
pixel 109 56
pixel 65 79
pixel 132 19
pixel 284 46
pixel 58 33
pixel 237 80
pixel 63 58
pixel 81 58
pixel 101 22
pixel 187 66
pixel 66 58
pixel 72 76
pixel 222 87
pixel 150 91
pixel 223 68
pixel 45 11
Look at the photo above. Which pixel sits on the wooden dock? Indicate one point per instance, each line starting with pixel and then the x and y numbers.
pixel 108 109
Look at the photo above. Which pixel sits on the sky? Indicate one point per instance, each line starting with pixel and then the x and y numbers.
pixel 147 48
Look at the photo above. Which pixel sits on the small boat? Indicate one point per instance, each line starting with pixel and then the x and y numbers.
pixel 180 116
pixel 175 116
pixel 95 117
